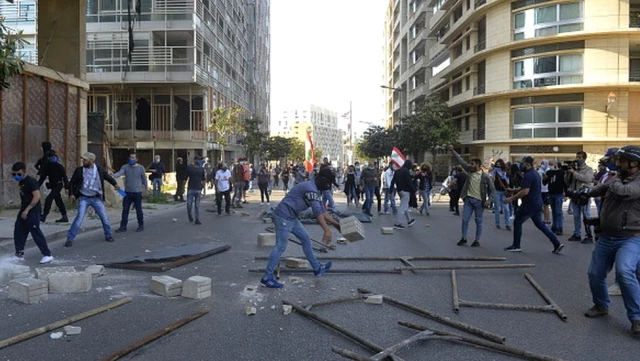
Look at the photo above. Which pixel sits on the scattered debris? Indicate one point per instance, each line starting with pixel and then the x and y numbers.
pixel 351 229
pixel 249 311
pixel 250 288
pixel 72 330
pixel 287 309
pixel 28 290
pixel 295 280
pixel 166 286
pixel 297 263
pixel 245 214
pixel 387 230
pixel 266 239
pixel 197 287
pixel 373 299
pixel 273 307
pixel 342 240
pixel 70 282
pixel 96 270
pixel 10 271
pixel 169 257
pixel 56 335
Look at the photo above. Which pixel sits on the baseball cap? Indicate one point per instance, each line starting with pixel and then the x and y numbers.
pixel 89 156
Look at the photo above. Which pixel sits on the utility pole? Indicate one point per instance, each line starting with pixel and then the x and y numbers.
pixel 350 126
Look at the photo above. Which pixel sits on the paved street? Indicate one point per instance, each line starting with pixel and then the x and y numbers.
pixel 226 333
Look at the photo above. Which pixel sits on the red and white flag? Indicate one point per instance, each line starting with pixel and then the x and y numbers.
pixel 397 157
pixel 310 153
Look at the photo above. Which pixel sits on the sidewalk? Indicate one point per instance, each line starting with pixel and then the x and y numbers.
pixel 57 231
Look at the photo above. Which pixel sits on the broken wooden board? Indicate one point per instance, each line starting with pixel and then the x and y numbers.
pixel 167 258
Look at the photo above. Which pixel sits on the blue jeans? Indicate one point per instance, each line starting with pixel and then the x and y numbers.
pixel 193 196
pixel 425 201
pixel 327 198
pixel 404 207
pixel 284 227
pixel 368 191
pixel 625 254
pixel 500 206
pixel 598 205
pixel 472 205
pixel 522 215
pixel 157 187
pixel 390 196
pixel 83 204
pixel 136 199
pixel 577 217
pixel 556 211
pixel 352 195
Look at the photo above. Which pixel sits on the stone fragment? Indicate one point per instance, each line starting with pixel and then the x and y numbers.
pixel 43 273
pixel 351 229
pixel 28 290
pixel 342 240
pixel 295 280
pixel 10 271
pixel 165 286
pixel 196 287
pixel 56 335
pixel 387 230
pixel 297 263
pixel 69 282
pixel 287 309
pixel 266 239
pixel 374 299
pixel 250 311
pixel 96 270
pixel 72 330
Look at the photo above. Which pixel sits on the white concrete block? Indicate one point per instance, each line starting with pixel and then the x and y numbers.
pixel 266 239
pixel 43 273
pixel 11 271
pixel 387 230
pixel 374 299
pixel 297 263
pixel 72 330
pixel 165 286
pixel 351 229
pixel 28 290
pixel 196 287
pixel 96 270
pixel 69 282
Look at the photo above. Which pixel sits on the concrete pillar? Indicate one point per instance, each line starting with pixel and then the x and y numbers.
pixel 62 40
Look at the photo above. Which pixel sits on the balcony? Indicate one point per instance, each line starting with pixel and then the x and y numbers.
pixel 479 3
pixel 480 46
pixel 634 19
pixel 461 98
pixel 479 134
pixel 436 80
pixel 634 75
pixel 436 50
pixel 418 91
pixel 436 19
pixel 161 128
pixel 420 36
pixel 479 90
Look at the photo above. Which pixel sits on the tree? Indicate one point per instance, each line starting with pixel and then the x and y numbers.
pixel 10 64
pixel 377 142
pixel 224 122
pixel 318 154
pixel 254 138
pixel 277 147
pixel 296 152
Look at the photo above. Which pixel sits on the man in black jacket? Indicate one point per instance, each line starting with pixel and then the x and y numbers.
pixel 87 186
pixel 181 178
pixel 42 162
pixel 554 178
pixel 57 182
pixel 404 185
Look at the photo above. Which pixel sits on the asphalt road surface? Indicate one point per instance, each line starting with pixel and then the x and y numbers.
pixel 226 333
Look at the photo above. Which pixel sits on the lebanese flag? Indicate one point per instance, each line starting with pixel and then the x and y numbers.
pixel 310 153
pixel 397 157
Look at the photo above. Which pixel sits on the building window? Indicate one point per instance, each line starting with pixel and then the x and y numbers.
pixel 548 20
pixel 563 121
pixel 547 71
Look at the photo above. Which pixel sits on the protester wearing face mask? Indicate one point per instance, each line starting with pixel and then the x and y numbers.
pixel 57 182
pixel 554 179
pixel 135 183
pixel 285 217
pixel 501 183
pixel 576 179
pixel 619 242
pixel 157 174
pixel 87 187
pixel 28 220
pixel 196 181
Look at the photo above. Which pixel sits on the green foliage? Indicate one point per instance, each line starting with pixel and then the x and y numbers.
pixel 224 122
pixel 377 142
pixel 276 148
pixel 254 139
pixel 296 152
pixel 10 64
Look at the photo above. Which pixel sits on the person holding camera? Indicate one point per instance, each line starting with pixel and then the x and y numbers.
pixel 577 176
pixel 554 178
pixel 619 241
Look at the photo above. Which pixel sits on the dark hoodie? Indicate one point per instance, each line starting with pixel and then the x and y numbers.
pixel 42 162
pixel 402 178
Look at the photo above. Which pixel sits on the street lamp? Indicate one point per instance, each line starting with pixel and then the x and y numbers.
pixel 392 88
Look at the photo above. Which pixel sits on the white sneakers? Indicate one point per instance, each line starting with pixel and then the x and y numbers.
pixel 15 258
pixel 46 259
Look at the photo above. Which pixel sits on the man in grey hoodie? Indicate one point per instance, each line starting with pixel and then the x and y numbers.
pixel 135 182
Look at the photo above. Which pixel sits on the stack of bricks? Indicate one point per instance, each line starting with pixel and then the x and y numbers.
pixel 28 290
pixel 165 286
pixel 197 287
pixel 351 229
pixel 70 282
pixel 10 271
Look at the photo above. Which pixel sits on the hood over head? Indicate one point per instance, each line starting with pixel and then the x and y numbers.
pixel 408 164
pixel 46 146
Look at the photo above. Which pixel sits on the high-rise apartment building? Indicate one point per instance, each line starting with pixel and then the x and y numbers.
pixel 538 77
pixel 189 56
pixel 406 56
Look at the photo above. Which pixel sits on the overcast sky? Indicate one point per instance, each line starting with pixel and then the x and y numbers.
pixel 326 53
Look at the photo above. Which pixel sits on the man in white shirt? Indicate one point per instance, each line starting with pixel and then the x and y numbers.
pixel 223 188
pixel 389 194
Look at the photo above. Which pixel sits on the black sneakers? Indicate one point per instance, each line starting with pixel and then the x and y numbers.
pixel 462 242
pixel 596 311
pixel 513 249
pixel 558 249
pixel 68 243
pixel 411 222
pixel 475 243
pixel 121 230
pixel 587 240
pixel 398 226
pixel 574 238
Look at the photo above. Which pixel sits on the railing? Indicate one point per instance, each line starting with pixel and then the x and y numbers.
pixel 28 56
pixel 479 90
pixel 634 76
pixel 479 134
pixel 479 3
pixel 161 10
pixel 634 19
pixel 144 59
pixel 20 14
pixel 480 47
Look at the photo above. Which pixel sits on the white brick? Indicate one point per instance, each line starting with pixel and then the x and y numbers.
pixel 165 286
pixel 297 263
pixel 10 271
pixel 96 270
pixel 374 299
pixel 69 282
pixel 351 229
pixel 287 309
pixel 28 290
pixel 196 287
pixel 72 330
pixel 43 273
pixel 387 230
pixel 266 239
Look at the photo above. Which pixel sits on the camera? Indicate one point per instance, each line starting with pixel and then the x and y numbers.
pixel 569 164
pixel 579 196
pixel 595 222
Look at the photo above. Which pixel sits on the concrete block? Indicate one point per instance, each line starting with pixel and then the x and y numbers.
pixel 28 290
pixel 43 273
pixel 266 239
pixel 297 263
pixel 387 230
pixel 96 270
pixel 165 286
pixel 374 299
pixel 70 282
pixel 351 229
pixel 196 287
pixel 72 330
pixel 11 271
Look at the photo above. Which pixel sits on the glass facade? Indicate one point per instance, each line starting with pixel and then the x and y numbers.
pixel 562 121
pixel 548 20
pixel 547 71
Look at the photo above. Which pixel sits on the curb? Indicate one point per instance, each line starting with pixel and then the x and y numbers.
pixel 6 244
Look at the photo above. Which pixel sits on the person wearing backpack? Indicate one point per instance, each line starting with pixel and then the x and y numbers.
pixel 263 184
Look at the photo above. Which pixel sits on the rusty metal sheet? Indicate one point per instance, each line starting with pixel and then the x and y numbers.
pixel 36 101
pixel 58 99
pixel 12 104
